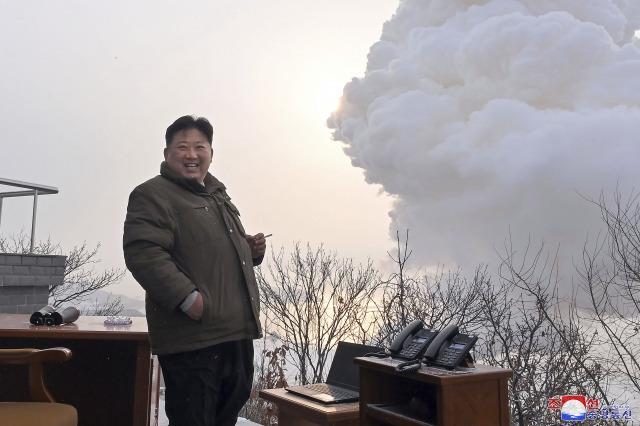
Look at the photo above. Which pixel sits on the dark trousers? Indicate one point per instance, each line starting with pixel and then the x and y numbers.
pixel 209 386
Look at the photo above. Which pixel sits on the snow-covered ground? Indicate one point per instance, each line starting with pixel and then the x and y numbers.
pixel 163 421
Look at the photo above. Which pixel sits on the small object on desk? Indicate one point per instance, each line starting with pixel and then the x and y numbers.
pixel 49 316
pixel 117 320
pixel 68 315
pixel 38 317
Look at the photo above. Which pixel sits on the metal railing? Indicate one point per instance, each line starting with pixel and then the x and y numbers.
pixel 30 189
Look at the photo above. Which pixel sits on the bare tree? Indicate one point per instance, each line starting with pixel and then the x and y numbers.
pixel 610 276
pixel 556 344
pixel 313 302
pixel 21 244
pixel 437 299
pixel 105 307
pixel 80 279
pixel 532 332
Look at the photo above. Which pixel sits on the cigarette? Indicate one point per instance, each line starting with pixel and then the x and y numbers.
pixel 267 236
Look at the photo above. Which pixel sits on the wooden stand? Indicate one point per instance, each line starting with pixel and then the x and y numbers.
pixel 297 411
pixel 432 396
pixel 111 378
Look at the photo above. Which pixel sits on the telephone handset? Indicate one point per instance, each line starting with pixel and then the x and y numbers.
pixel 449 348
pixel 412 341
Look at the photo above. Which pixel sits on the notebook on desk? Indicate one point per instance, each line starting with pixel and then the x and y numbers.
pixel 343 381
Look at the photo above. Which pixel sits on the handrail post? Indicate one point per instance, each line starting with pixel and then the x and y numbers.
pixel 33 219
pixel 31 189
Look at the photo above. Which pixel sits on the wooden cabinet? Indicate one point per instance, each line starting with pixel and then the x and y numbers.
pixel 297 411
pixel 111 379
pixel 432 396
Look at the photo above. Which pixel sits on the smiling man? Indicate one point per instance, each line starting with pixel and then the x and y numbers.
pixel 189 154
pixel 184 243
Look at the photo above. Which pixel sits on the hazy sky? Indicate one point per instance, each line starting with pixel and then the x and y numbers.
pixel 463 119
pixel 89 88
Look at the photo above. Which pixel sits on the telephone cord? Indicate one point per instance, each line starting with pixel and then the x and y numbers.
pixel 408 366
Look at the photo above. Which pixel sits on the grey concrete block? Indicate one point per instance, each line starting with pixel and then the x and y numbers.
pixel 18 299
pixel 38 299
pixel 12 259
pixel 58 261
pixel 11 281
pixel 28 260
pixel 20 270
pixel 42 280
pixel 44 261
pixel 27 281
pixel 36 270
pixel 25 309
pixel 13 290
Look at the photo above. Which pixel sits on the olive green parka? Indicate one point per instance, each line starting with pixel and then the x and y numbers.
pixel 180 236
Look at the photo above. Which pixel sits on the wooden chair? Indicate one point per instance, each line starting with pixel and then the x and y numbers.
pixel 42 408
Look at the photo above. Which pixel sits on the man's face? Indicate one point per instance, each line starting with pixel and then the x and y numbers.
pixel 189 154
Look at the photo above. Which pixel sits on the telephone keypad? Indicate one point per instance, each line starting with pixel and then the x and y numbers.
pixel 449 356
pixel 457 351
pixel 412 350
pixel 418 344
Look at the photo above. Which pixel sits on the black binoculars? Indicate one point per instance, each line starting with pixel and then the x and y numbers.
pixel 49 316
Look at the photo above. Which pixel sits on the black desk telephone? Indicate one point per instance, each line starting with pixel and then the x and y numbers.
pixel 447 348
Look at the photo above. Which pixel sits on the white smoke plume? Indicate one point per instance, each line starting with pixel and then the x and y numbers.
pixel 483 118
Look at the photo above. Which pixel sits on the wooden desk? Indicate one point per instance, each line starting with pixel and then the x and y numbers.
pixel 111 379
pixel 432 396
pixel 297 411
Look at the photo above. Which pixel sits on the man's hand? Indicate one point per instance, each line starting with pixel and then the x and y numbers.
pixel 195 311
pixel 258 244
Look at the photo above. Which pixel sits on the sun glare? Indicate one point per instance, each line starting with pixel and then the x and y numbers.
pixel 328 96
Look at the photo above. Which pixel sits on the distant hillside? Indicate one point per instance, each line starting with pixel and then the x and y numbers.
pixel 132 307
pixel 127 312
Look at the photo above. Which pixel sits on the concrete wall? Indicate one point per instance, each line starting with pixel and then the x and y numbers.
pixel 25 281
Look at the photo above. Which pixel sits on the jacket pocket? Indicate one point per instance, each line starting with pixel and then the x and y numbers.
pixel 222 307
pixel 208 309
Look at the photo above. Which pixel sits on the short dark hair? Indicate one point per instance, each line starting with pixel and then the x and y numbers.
pixel 187 122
